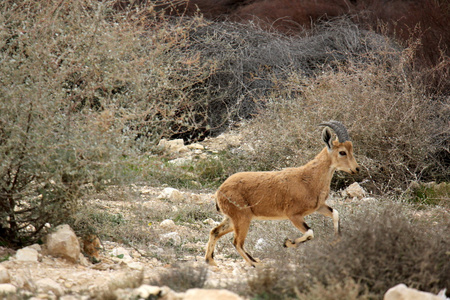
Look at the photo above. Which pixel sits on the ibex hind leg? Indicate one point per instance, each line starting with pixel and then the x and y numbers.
pixel 216 233
pixel 308 234
pixel 240 233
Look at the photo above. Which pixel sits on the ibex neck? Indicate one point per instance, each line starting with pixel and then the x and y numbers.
pixel 321 168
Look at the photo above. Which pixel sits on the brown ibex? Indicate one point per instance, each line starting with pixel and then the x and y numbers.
pixel 292 193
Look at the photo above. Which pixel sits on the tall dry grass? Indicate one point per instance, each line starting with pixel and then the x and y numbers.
pixel 392 122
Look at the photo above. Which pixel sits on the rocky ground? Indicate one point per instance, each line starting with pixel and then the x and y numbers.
pixel 125 272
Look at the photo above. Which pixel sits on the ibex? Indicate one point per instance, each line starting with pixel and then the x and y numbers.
pixel 292 193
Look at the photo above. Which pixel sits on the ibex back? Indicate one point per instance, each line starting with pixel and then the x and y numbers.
pixel 292 193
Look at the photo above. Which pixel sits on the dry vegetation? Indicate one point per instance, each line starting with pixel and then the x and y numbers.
pixel 87 91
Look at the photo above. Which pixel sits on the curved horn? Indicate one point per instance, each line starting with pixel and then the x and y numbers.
pixel 339 128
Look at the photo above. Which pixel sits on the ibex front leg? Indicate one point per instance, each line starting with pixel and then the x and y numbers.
pixel 332 213
pixel 308 234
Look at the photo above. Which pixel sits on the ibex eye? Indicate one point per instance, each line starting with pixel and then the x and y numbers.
pixel 343 153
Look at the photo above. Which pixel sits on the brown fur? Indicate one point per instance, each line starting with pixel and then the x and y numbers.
pixel 288 194
pixel 91 247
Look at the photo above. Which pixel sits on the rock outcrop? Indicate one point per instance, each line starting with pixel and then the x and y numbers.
pixel 63 243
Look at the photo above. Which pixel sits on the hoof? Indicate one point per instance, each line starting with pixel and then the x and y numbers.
pixel 211 262
pixel 289 243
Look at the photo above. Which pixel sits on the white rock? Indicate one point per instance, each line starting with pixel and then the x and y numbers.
pixel 36 247
pixel 105 287
pixel 135 265
pixel 27 254
pixel 402 292
pixel 174 237
pixel 181 161
pixel 210 222
pixel 171 194
pixel 168 224
pixel 63 243
pixel 47 285
pixel 176 146
pixel 145 291
pixel 196 146
pixel 7 288
pixel 122 253
pixel 354 191
pixel 200 294
pixel 4 275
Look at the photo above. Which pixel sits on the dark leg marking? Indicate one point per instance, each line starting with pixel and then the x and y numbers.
pixel 306 226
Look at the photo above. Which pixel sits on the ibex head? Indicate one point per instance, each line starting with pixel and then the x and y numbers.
pixel 340 150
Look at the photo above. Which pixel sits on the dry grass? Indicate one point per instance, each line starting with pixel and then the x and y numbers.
pixel 383 243
pixel 392 123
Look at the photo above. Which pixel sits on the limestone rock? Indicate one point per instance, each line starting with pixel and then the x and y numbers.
pixel 27 254
pixel 210 222
pixel 36 247
pixel 106 287
pixel 7 288
pixel 354 191
pixel 402 292
pixel 200 294
pixel 171 194
pixel 173 146
pixel 168 224
pixel 63 243
pixel 196 146
pixel 48 285
pixel 180 161
pixel 174 237
pixel 4 275
pixel 122 253
pixel 145 291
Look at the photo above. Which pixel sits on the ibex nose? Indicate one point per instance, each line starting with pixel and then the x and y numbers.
pixel 357 169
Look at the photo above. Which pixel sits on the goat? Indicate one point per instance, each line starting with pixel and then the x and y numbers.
pixel 292 193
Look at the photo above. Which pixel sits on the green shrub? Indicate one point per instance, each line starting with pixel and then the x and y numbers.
pixel 430 193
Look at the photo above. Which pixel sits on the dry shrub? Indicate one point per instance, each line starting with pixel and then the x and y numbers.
pixel 424 22
pixel 382 247
pixel 283 281
pixel 240 64
pixel 342 289
pixel 383 243
pixel 182 277
pixel 80 90
pixel 392 123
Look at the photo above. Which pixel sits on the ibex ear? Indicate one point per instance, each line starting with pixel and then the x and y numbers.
pixel 326 136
